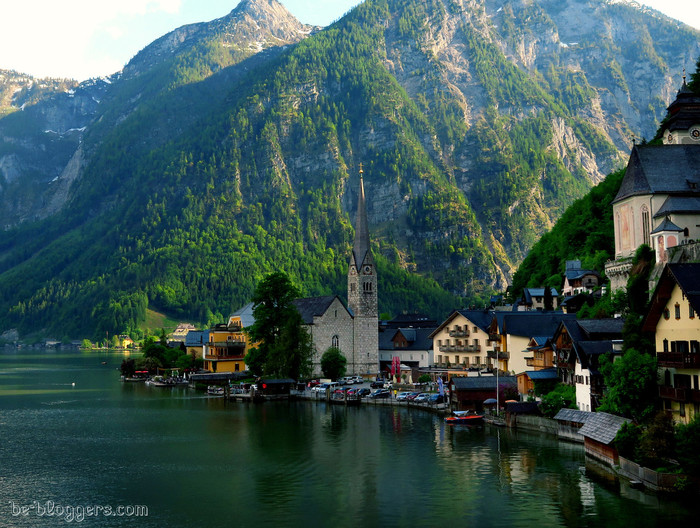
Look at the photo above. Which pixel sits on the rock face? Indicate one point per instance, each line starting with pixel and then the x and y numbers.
pixel 478 121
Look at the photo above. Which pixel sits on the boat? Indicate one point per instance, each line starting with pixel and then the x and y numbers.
pixel 214 390
pixel 464 418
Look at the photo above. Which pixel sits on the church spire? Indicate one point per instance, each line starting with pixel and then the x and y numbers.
pixel 361 246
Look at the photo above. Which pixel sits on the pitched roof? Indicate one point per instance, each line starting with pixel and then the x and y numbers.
pixel 661 169
pixel 573 274
pixel 313 306
pixel 361 245
pixel 481 318
pixel 666 225
pixel 531 324
pixel 196 337
pixel 418 339
pixel 602 427
pixel 687 277
pixel 482 382
pixel 573 415
pixel 679 205
pixel 602 328
pixel 246 315
pixel 539 375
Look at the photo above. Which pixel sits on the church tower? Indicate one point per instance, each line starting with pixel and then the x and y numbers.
pixel 362 295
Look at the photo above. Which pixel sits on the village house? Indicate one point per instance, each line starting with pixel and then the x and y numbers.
pixel 578 346
pixel 194 342
pixel 533 299
pixel 470 392
pixel 463 340
pixel 515 330
pixel 673 316
pixel 227 346
pixel 599 431
pixel 578 280
pixel 413 347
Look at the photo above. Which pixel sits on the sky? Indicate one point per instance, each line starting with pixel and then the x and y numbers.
pixel 80 39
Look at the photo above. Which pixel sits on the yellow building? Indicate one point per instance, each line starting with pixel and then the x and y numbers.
pixel 462 340
pixel 227 346
pixel 673 315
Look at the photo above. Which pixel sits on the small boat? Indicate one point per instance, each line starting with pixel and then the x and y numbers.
pixel 214 390
pixel 465 418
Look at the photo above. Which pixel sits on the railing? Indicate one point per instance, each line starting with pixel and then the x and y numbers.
pixel 678 359
pixel 459 333
pixel 474 348
pixel 491 354
pixel 494 338
pixel 681 394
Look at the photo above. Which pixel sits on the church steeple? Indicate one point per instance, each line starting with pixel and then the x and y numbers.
pixel 362 275
pixel 361 246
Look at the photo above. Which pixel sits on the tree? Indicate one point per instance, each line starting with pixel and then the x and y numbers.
pixel 333 363
pixel 87 344
pixel 284 346
pixel 548 299
pixel 562 397
pixel 631 385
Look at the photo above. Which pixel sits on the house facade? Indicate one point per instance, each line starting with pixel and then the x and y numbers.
pixel 413 347
pixel 533 299
pixel 578 280
pixel 227 344
pixel 673 316
pixel 463 340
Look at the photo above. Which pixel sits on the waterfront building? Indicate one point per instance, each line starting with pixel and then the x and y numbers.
pixel 599 433
pixel 194 342
pixel 578 346
pixel 470 392
pixel 463 340
pixel 673 316
pixel 413 347
pixel 227 346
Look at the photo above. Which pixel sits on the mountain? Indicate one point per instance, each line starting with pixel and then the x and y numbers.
pixel 228 149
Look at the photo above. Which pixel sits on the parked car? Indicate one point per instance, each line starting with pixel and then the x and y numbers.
pixel 401 396
pixel 380 394
pixel 377 384
pixel 364 391
pixel 436 398
pixel 320 388
pixel 412 396
pixel 347 380
pixel 422 397
pixel 358 379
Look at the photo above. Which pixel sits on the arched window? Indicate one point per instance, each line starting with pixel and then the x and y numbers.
pixel 335 341
pixel 646 226
pixel 367 287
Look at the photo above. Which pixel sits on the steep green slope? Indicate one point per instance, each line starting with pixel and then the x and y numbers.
pixel 208 169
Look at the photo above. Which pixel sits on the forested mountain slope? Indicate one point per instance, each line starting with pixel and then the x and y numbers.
pixel 221 153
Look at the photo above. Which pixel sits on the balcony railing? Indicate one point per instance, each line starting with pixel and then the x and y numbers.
pixel 491 354
pixel 495 338
pixel 459 333
pixel 678 360
pixel 680 394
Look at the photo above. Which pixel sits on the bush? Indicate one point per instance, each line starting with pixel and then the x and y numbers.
pixel 688 447
pixel 562 397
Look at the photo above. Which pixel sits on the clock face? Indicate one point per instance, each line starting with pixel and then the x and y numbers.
pixel 670 138
pixel 352 270
pixel 695 133
pixel 367 270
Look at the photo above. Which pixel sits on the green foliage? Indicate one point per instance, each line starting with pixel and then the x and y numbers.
pixel 86 344
pixel 586 228
pixel 688 447
pixel 284 346
pixel 562 397
pixel 657 443
pixel 424 378
pixel 628 439
pixel 333 363
pixel 631 385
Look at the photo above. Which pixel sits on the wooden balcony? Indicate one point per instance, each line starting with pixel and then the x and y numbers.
pixel 459 333
pixel 679 394
pixel 491 354
pixel 678 360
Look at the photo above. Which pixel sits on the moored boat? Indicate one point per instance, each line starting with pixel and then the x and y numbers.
pixel 465 418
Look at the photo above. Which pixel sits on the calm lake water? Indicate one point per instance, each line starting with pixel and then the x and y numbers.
pixel 193 460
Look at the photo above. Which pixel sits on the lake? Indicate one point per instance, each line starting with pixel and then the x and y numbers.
pixel 77 446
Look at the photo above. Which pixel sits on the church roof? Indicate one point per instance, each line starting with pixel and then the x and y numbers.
pixel 666 225
pixel 679 205
pixel 684 111
pixel 310 307
pixel 661 169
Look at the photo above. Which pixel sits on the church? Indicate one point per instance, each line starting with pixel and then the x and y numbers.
pixel 658 203
pixel 353 329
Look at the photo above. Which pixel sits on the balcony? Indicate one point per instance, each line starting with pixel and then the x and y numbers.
pixel 679 394
pixel 473 348
pixel 491 354
pixel 494 338
pixel 678 360
pixel 459 333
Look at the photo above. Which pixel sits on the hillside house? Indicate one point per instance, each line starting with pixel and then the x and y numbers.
pixel 673 316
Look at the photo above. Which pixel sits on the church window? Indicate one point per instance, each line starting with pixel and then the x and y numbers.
pixel 367 287
pixel 678 311
pixel 646 226
pixel 352 287
pixel 335 341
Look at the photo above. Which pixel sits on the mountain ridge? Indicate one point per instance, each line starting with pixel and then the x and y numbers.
pixel 212 167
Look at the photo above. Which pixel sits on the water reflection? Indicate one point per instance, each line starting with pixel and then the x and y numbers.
pixel 197 460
